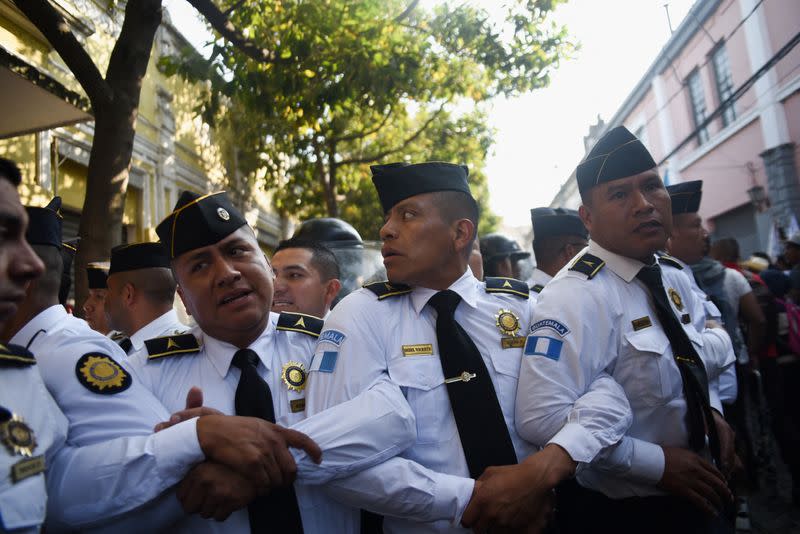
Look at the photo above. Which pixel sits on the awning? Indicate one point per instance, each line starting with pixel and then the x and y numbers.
pixel 34 100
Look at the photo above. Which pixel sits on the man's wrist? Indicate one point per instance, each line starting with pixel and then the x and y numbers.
pixel 559 464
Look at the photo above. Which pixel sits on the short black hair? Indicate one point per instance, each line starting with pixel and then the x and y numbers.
pixel 455 205
pixel 48 285
pixel 322 259
pixel 545 248
pixel 10 171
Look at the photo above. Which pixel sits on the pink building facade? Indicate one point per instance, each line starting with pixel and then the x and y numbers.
pixel 721 103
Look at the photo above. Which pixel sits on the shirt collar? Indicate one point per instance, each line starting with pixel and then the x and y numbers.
pixel 466 287
pixel 42 321
pixel 221 352
pixel 539 277
pixel 624 267
pixel 154 328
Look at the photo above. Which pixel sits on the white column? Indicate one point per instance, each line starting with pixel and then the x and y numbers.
pixel 665 128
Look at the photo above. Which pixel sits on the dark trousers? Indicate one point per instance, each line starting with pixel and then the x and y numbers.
pixel 581 511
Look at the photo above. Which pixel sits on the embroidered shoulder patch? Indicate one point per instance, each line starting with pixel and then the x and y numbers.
pixel 666 259
pixel 175 345
pixel 99 373
pixel 15 356
pixel 552 324
pixel 537 288
pixel 332 336
pixel 385 289
pixel 588 264
pixel 300 322
pixel 512 286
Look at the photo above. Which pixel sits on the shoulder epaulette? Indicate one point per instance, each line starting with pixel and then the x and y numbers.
pixel 537 288
pixel 669 260
pixel 300 322
pixel 161 347
pixel 497 284
pixel 384 289
pixel 588 264
pixel 15 356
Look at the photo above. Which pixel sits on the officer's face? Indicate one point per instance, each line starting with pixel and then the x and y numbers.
pixel 114 304
pixel 419 246
pixel 298 285
pixel 94 310
pixel 227 287
pixel 688 237
pixel 18 263
pixel 631 216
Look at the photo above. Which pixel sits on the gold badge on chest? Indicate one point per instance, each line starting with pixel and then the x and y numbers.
pixel 17 436
pixel 294 375
pixel 676 299
pixel 507 322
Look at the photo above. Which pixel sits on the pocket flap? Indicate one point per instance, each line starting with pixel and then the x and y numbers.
pixel 421 372
pixel 652 340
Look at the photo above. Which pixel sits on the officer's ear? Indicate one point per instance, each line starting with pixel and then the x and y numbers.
pixel 128 293
pixel 585 213
pixel 186 307
pixel 463 235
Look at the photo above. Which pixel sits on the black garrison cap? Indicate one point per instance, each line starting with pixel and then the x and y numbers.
pixel 198 221
pixel 137 256
pixel 618 154
pixel 44 224
pixel 399 181
pixel 553 222
pixel 686 196
pixel 97 273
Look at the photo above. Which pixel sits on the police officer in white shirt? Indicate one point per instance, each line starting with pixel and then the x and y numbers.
pixel 630 319
pixel 249 361
pixel 558 235
pixel 451 342
pixel 686 246
pixel 140 296
pixel 32 428
pixel 111 453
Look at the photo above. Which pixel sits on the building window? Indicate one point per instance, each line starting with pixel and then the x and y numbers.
pixel 724 82
pixel 698 103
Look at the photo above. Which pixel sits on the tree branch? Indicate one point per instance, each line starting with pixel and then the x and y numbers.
pixel 381 155
pixel 53 26
pixel 365 133
pixel 219 21
pixel 234 7
pixel 407 11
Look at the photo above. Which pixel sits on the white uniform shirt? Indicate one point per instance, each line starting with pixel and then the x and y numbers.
pixel 211 369
pixel 609 329
pixel 22 392
pixel 112 454
pixel 538 278
pixel 367 341
pixel 164 325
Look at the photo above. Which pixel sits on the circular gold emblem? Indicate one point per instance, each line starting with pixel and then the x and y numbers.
pixel 101 374
pixel 17 436
pixel 507 322
pixel 223 214
pixel 676 299
pixel 294 376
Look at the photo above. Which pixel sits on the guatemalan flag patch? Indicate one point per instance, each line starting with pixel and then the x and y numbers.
pixel 543 346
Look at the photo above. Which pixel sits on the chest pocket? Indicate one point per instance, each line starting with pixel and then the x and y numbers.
pixel 644 371
pixel 422 382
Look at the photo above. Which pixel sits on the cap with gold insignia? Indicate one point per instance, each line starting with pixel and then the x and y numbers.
pixel 686 196
pixel 399 181
pixel 198 221
pixel 97 273
pixel 137 256
pixel 175 345
pixel 618 154
pixel 555 222
pixel 300 322
pixel 44 224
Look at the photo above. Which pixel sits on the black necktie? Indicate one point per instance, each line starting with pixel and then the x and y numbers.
pixel 479 418
pixel 126 344
pixel 278 511
pixel 693 371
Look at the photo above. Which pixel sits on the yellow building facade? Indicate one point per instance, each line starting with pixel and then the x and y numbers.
pixel 51 133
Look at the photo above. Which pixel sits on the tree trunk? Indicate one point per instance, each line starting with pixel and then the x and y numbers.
pixel 330 184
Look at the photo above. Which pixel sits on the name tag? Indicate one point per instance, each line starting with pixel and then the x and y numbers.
pixel 512 342
pixel 27 468
pixel 297 405
pixel 641 323
pixel 418 350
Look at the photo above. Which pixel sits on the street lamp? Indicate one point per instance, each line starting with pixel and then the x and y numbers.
pixel 758 198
